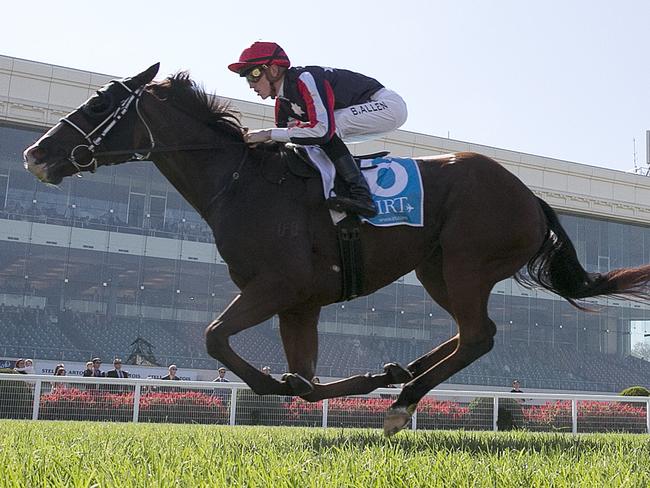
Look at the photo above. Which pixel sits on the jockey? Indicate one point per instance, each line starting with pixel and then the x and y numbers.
pixel 322 106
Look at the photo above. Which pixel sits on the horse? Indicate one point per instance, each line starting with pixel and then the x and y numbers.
pixel 274 231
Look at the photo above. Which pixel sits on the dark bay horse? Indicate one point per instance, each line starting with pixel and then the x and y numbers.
pixel 482 225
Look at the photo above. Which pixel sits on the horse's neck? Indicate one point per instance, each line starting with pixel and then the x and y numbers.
pixel 197 180
pixel 269 155
pixel 202 182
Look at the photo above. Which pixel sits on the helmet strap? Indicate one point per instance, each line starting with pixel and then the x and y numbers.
pixel 272 81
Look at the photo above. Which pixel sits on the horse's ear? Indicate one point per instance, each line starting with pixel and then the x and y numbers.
pixel 143 78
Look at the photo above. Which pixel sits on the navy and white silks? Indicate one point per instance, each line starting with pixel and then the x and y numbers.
pixel 314 103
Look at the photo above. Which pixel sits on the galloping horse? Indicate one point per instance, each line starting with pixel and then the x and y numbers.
pixel 482 225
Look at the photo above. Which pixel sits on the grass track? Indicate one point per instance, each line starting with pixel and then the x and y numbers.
pixel 80 454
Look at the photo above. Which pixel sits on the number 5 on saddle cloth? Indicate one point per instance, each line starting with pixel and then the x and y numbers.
pixel 396 187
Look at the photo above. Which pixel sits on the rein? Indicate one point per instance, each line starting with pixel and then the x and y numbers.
pixel 233 178
pixel 137 151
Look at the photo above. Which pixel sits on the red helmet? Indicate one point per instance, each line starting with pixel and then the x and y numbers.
pixel 260 53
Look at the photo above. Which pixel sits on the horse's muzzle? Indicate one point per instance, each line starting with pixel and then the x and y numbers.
pixel 33 162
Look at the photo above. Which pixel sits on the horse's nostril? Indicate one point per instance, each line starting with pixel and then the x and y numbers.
pixel 38 153
pixel 34 155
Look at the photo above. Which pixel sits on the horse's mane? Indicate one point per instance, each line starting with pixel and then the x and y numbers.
pixel 192 99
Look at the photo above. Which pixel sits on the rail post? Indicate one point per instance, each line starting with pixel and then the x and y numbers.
pixel 37 399
pixel 233 406
pixel 326 406
pixel 574 415
pixel 136 402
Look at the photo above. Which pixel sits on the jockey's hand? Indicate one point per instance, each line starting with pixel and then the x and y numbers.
pixel 257 136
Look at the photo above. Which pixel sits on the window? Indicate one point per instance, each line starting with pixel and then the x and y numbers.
pixel 4 183
pixel 136 209
pixel 157 212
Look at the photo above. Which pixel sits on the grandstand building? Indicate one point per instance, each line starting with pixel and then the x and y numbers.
pixel 90 266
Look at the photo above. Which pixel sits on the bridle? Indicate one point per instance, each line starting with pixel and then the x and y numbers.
pixel 96 136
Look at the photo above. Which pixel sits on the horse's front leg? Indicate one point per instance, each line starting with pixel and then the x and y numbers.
pixel 258 301
pixel 299 330
pixel 393 374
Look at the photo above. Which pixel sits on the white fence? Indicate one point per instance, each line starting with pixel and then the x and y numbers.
pixel 138 400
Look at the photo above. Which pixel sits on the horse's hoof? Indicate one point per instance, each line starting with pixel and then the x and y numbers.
pixel 396 419
pixel 299 385
pixel 397 373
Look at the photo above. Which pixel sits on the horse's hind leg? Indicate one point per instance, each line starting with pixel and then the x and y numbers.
pixel 430 275
pixel 468 297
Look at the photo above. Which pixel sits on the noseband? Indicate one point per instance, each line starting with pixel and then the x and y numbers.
pixel 95 137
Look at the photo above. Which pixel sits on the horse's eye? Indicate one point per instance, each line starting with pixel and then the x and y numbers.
pixel 99 105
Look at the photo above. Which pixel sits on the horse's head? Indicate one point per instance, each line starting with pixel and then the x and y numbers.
pixel 89 136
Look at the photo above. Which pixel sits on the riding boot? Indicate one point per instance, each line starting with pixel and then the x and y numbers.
pixel 359 202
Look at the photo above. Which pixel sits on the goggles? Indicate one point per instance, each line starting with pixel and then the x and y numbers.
pixel 255 74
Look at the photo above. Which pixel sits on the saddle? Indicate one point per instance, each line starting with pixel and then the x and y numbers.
pixel 303 166
pixel 348 230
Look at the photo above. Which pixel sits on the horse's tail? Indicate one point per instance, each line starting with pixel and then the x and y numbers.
pixel 556 268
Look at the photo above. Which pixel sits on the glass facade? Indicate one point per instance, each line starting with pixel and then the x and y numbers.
pixel 133 198
pixel 120 250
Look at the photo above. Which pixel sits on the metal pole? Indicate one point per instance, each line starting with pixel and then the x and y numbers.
pixel 495 414
pixel 233 405
pixel 136 402
pixel 37 399
pixel 414 420
pixel 647 415
pixel 574 416
pixel 326 406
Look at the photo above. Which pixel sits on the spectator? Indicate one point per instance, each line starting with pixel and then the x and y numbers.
pixel 172 373
pixel 222 376
pixel 515 387
pixel 266 370
pixel 29 366
pixel 97 372
pixel 93 371
pixel 59 370
pixel 20 366
pixel 117 371
pixel 89 369
pixel 315 380
pixel 221 392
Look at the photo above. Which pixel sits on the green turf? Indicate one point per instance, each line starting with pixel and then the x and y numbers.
pixel 80 454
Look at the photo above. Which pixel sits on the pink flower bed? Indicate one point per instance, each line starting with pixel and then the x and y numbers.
pixel 593 416
pixel 189 406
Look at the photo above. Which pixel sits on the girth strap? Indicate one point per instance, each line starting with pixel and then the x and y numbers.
pixel 349 237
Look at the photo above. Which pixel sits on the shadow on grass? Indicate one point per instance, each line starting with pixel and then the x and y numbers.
pixel 475 442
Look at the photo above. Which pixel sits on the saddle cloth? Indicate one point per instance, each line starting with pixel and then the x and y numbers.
pixel 395 184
